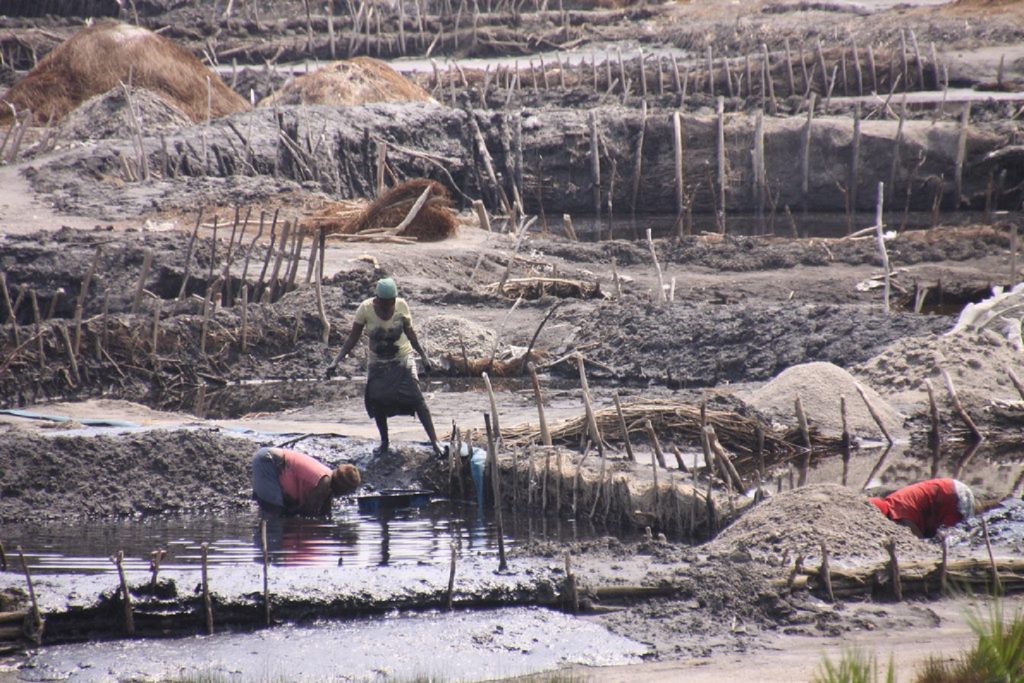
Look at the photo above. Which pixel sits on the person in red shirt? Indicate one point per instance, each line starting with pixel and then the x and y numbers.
pixel 928 505
pixel 291 482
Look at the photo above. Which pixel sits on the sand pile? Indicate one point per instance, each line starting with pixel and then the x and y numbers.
pixel 977 364
pixel 361 80
pixel 794 522
pixel 109 116
pixel 819 386
pixel 447 335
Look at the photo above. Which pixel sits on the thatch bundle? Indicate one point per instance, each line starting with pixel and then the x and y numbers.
pixel 434 221
pixel 98 57
pixel 736 432
pixel 361 80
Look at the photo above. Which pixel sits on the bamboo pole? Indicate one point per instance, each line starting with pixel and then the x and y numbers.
pixel 595 170
pixel 494 406
pixel 654 465
pixel 126 596
pixel 996 582
pixel 492 457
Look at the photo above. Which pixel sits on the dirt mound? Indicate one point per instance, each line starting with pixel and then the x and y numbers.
pixel 361 80
pixel 50 477
pixel 109 116
pixel 977 364
pixel 98 57
pixel 434 221
pixel 819 386
pixel 445 335
pixel 794 522
pixel 703 344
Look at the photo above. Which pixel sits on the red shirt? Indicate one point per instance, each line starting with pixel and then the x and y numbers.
pixel 300 476
pixel 927 504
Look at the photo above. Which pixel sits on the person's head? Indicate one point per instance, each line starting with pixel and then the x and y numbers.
pixel 386 289
pixel 344 480
pixel 964 499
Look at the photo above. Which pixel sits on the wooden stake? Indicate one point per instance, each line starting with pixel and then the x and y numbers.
pixel 147 261
pixel 729 474
pixel 188 256
pixel 451 577
pixel 37 321
pixel 208 305
pixel 325 322
pixel 37 617
pixel 844 440
pixel 80 302
pixel 243 336
pixel 266 572
pixel 492 457
pixel 660 298
pixel 572 594
pixel 805 461
pixel 955 400
pixel 9 309
pixel 155 343
pixel 996 582
pixel 72 361
pixel 873 412
pixel 155 558
pixel 126 596
pixel 680 168
pixel 545 435
pixel 805 153
pixel 944 567
pixel 826 573
pixel 1016 382
pixel 494 406
pixel 961 155
pixel 654 462
pixel 622 427
pixel 655 444
pixel 894 570
pixel 207 602
pixel 720 111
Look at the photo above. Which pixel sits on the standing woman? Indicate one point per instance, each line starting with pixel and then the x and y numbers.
pixel 392 386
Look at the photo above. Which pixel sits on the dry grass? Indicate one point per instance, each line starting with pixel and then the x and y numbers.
pixel 361 80
pixel 100 56
pixel 434 222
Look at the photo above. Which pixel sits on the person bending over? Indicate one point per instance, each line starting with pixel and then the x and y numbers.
pixel 290 482
pixel 392 386
pixel 928 505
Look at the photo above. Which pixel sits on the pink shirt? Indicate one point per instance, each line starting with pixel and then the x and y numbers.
pixel 300 475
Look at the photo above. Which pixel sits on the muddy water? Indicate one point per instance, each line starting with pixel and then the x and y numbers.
pixel 455 646
pixel 349 539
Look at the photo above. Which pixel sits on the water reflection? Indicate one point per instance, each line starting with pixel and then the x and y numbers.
pixel 350 538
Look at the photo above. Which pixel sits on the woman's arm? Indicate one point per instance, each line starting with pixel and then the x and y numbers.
pixel 350 343
pixel 410 333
